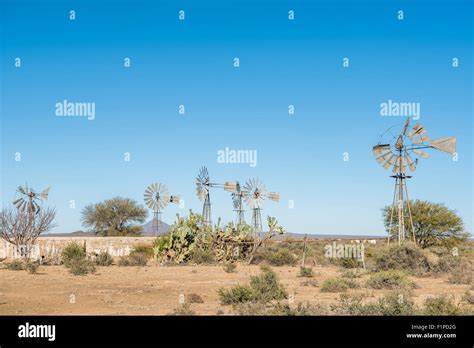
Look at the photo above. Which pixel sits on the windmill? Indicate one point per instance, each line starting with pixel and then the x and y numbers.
pixel 237 200
pixel 394 152
pixel 203 186
pixel 157 197
pixel 29 199
pixel 257 193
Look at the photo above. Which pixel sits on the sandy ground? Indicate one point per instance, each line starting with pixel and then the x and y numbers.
pixel 156 290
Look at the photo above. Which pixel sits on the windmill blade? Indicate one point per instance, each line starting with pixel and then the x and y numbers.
pixel 410 162
pixel 384 157
pixel 230 186
pixel 45 193
pixel 421 153
pixel 405 128
pixel 380 149
pixel 447 145
pixel 390 161
pixel 396 166
pixel 274 196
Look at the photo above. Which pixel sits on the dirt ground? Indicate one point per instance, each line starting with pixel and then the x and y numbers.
pixel 156 290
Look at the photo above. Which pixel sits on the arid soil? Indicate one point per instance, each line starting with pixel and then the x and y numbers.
pixel 156 290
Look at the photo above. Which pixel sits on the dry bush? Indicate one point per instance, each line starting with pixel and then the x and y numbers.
pixel 392 279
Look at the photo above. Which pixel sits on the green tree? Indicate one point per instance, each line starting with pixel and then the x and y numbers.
pixel 434 224
pixel 114 217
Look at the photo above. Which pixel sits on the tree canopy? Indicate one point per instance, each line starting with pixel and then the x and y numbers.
pixel 434 224
pixel 114 217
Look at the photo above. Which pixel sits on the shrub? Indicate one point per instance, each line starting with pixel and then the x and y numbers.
pixel 262 288
pixel 31 267
pixel 235 295
pixel 395 303
pixel 183 310
pixel 306 272
pixel 462 273
pixel 393 279
pixel 194 298
pixel 79 266
pixel 15 265
pixel 280 257
pixel 202 256
pixel 230 267
pixel 145 250
pixel 71 252
pixel 338 285
pixel 442 305
pixel 407 257
pixel 104 259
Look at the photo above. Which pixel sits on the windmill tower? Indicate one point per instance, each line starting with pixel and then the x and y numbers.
pixel 257 193
pixel 237 200
pixel 394 152
pixel 157 197
pixel 203 186
pixel 29 199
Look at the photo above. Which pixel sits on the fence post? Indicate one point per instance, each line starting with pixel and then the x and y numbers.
pixel 304 252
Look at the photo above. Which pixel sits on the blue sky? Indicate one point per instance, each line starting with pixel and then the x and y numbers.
pixel 190 62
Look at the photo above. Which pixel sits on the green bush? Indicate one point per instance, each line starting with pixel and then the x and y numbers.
pixel 338 285
pixel 407 257
pixel 393 279
pixel 230 267
pixel 262 288
pixel 15 265
pixel 237 294
pixel 104 259
pixel 280 257
pixel 71 252
pixel 442 305
pixel 31 267
pixel 79 266
pixel 306 272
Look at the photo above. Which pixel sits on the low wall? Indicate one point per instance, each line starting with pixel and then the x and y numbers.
pixel 51 247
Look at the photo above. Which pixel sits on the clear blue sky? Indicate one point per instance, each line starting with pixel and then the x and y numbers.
pixel 191 62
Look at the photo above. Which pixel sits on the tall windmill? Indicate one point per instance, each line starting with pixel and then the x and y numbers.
pixel 29 199
pixel 394 152
pixel 257 193
pixel 237 200
pixel 157 197
pixel 203 186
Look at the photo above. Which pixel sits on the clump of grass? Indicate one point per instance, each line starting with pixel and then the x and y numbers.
pixel 306 272
pixel 462 273
pixel 230 267
pixel 72 252
pixel 15 265
pixel 194 298
pixel 394 303
pixel 338 285
pixel 31 267
pixel 134 259
pixel 262 288
pixel 81 266
pixel 104 259
pixel 183 310
pixel 442 305
pixel 392 279
pixel 310 282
